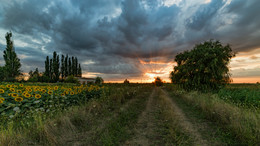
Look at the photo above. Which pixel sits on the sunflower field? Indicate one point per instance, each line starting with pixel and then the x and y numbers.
pixel 22 100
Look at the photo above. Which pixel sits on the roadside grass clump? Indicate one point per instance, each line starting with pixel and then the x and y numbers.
pixel 244 124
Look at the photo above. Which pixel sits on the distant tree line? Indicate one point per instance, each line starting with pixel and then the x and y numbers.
pixel 57 70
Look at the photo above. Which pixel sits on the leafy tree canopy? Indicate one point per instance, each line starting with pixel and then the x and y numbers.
pixel 203 68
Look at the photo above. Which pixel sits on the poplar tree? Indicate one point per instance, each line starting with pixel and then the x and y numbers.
pixel 51 70
pixel 62 67
pixel 73 66
pixel 66 66
pixel 76 66
pixel 79 71
pixel 12 62
pixel 47 67
pixel 70 67
pixel 56 65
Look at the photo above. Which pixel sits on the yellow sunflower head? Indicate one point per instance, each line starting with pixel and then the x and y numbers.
pixel 50 92
pixel 2 91
pixel 21 85
pixel 56 88
pixel 18 99
pixel 8 86
pixel 1 101
pixel 19 91
pixel 71 93
pixel 14 95
pixel 37 96
pixel 27 95
pixel 12 89
pixel 1 98
pixel 62 94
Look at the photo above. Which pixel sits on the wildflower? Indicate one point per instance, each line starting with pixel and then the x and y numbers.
pixel 8 86
pixel 12 89
pixel 21 85
pixel 2 91
pixel 71 93
pixel 1 98
pixel 62 94
pixel 18 99
pixel 37 96
pixel 16 109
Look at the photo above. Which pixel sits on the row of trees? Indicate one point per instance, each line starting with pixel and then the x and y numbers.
pixel 69 67
pixel 53 70
pixel 12 66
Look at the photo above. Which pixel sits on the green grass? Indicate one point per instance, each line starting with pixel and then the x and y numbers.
pixel 244 124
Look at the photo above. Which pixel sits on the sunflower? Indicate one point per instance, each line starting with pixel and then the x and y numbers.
pixel 43 90
pixel 70 89
pixel 18 99
pixel 29 89
pixel 8 86
pixel 71 93
pixel 50 92
pixel 12 89
pixel 21 85
pixel 56 88
pixel 37 96
pixel 66 92
pixel 14 95
pixel 1 101
pixel 2 91
pixel 62 94
pixel 1 98
pixel 19 91
pixel 27 95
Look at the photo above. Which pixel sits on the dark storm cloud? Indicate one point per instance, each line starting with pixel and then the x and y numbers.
pixel 114 35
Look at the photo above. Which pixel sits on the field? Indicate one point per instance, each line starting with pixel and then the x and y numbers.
pixel 128 114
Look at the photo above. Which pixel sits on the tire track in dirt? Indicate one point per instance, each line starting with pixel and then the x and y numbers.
pixel 144 129
pixel 184 122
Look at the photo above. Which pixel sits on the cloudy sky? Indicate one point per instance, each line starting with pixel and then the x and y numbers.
pixel 133 39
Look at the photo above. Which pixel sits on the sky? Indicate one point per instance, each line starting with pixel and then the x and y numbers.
pixel 133 39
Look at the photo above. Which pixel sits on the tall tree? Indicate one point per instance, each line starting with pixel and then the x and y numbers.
pixel 73 66
pixel 70 68
pixel 47 67
pixel 51 69
pixel 12 62
pixel 76 66
pixel 62 67
pixel 79 71
pixel 203 68
pixel 66 66
pixel 56 65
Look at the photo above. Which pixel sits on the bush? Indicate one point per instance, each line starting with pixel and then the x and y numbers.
pixel 99 81
pixel 126 81
pixel 71 79
pixel 158 81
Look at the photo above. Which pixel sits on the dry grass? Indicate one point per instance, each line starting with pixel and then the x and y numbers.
pixel 244 124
